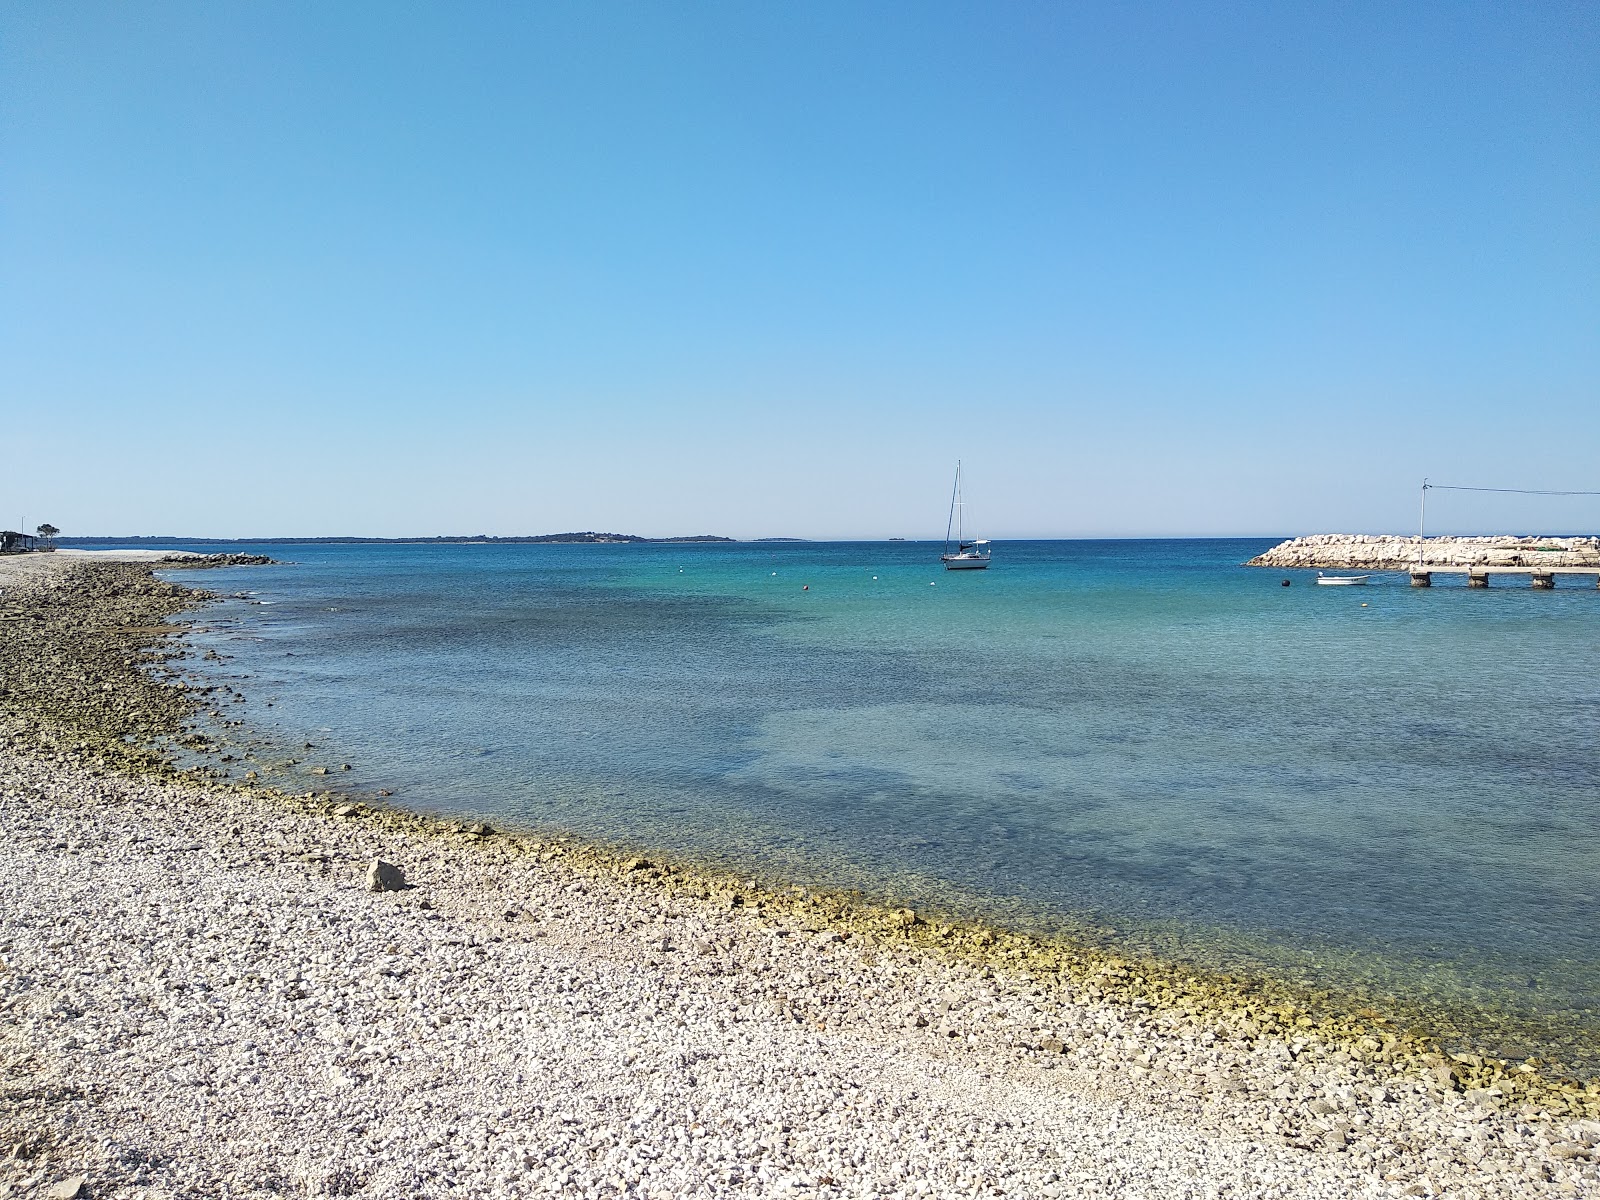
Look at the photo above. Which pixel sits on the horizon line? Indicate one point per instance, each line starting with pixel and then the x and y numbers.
pixel 592 537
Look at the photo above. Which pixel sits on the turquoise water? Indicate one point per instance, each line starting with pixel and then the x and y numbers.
pixel 1143 742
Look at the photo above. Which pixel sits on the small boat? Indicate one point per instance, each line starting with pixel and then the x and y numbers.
pixel 1342 580
pixel 968 556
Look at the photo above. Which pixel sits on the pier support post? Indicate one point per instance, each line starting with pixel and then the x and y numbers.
pixel 1544 580
pixel 1477 579
pixel 1425 579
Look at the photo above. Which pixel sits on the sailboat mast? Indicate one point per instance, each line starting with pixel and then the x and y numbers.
pixel 961 513
pixel 955 493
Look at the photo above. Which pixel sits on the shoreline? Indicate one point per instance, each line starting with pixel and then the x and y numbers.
pixel 1343 1103
pixel 1502 1042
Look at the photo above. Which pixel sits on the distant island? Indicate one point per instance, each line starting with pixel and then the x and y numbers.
pixel 589 537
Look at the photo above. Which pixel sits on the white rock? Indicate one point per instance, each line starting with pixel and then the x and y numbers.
pixel 384 877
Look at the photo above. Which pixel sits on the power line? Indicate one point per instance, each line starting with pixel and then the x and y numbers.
pixel 1422 516
pixel 1451 487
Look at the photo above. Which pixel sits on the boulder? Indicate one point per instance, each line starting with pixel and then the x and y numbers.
pixel 384 877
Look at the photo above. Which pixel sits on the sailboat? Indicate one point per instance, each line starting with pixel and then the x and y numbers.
pixel 969 556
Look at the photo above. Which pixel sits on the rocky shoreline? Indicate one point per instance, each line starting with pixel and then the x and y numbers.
pixel 1377 552
pixel 202 997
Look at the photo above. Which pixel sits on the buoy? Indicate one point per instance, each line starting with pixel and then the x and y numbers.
pixel 1363 604
pixel 806 588
pixel 774 572
pixel 874 576
pixel 1285 583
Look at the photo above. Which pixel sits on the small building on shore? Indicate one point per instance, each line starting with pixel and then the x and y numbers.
pixel 12 542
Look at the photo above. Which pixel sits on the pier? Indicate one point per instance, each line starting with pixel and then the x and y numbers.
pixel 1543 578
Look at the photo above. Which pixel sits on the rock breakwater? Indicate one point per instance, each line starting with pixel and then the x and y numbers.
pixel 1379 552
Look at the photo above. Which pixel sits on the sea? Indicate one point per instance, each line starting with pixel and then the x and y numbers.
pixel 1391 794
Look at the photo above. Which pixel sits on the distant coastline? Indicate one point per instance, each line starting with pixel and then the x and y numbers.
pixel 588 537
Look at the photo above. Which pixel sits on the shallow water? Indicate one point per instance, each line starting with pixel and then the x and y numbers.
pixel 1385 788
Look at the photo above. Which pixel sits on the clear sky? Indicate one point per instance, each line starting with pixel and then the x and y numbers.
pixel 770 268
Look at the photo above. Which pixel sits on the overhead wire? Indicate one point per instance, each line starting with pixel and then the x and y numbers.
pixel 1451 487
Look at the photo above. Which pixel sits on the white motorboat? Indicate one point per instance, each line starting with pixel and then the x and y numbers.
pixel 1342 580
pixel 969 555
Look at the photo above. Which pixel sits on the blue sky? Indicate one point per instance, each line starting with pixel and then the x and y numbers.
pixel 768 269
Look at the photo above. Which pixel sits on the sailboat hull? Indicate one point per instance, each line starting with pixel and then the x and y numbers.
pixel 960 562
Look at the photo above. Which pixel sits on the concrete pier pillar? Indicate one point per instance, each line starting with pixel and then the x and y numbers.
pixel 1425 579
pixel 1477 579
pixel 1544 580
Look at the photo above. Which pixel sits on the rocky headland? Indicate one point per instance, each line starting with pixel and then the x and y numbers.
pixel 1381 552
pixel 211 988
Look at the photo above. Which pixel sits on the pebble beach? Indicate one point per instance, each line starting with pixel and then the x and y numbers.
pixel 214 989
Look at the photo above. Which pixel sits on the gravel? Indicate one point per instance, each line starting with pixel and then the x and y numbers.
pixel 202 997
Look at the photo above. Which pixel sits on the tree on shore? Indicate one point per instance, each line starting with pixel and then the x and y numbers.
pixel 47 534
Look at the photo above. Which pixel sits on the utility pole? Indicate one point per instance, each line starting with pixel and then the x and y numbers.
pixel 1422 521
